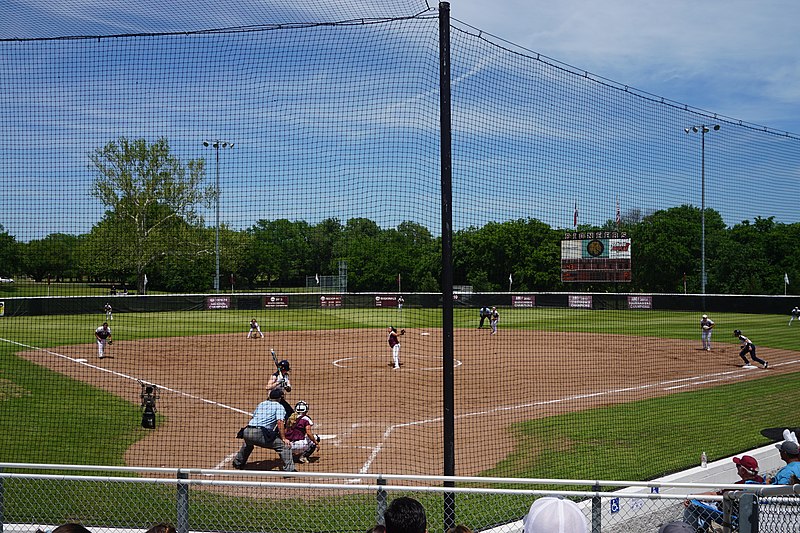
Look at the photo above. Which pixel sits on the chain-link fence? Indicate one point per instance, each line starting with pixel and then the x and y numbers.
pixel 124 499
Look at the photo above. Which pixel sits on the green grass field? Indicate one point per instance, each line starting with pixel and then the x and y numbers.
pixel 637 440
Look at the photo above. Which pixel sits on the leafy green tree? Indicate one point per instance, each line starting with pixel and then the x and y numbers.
pixel 52 257
pixel 151 196
pixel 666 245
pixel 364 247
pixel 323 239
pixel 526 249
pixel 279 251
pixel 756 256
pixel 10 252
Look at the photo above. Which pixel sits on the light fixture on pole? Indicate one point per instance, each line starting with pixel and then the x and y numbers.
pixel 216 145
pixel 702 129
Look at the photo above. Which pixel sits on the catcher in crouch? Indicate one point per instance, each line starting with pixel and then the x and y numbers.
pixel 298 431
pixel 394 344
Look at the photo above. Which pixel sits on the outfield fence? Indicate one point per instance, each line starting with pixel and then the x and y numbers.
pixel 276 301
pixel 116 500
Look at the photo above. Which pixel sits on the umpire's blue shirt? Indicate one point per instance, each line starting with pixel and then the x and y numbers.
pixel 267 414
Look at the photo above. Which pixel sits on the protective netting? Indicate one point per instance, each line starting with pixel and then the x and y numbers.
pixel 293 159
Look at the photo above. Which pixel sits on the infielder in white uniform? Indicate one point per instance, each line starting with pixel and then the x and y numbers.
pixel 103 337
pixel 255 327
pixel 706 326
pixel 795 315
pixel 109 315
pixel 494 318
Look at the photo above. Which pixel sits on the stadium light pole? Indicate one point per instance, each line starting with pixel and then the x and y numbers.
pixel 703 129
pixel 216 145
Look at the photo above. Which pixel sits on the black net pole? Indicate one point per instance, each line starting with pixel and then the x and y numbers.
pixel 447 261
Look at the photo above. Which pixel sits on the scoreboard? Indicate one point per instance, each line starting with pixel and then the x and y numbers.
pixel 596 256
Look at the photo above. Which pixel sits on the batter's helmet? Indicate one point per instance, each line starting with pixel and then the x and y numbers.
pixel 737 332
pixel 284 365
pixel 301 407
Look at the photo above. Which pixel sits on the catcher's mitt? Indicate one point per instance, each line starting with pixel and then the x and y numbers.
pixel 402 332
pixel 288 388
pixel 110 341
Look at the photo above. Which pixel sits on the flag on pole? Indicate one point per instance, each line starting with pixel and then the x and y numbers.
pixel 618 218
pixel 575 215
pixel 316 277
pixel 786 278
pixel 509 279
pixel 145 279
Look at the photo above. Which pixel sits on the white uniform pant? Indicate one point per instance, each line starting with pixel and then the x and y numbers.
pixel 101 347
pixel 706 336
pixel 301 446
pixel 396 355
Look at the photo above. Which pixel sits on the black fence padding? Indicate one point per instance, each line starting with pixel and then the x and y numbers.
pixel 77 305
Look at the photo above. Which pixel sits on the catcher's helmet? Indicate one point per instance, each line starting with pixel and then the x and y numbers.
pixel 284 365
pixel 301 407
pixel 737 332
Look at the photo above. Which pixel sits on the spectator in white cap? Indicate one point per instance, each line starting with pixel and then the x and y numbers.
pixel 555 515
pixel 789 474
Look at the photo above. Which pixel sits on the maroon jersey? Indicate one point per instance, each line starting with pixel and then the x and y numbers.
pixel 298 429
pixel 393 340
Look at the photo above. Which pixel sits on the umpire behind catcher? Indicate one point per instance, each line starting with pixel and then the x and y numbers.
pixel 266 430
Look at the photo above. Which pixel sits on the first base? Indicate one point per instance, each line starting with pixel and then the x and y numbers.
pixel 424 333
pixel 749 367
pixel 80 360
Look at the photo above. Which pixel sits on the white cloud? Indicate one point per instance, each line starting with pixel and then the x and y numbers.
pixel 737 58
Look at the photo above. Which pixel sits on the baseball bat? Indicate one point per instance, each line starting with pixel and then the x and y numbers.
pixel 275 359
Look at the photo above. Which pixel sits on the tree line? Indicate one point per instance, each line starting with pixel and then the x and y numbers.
pixel 151 230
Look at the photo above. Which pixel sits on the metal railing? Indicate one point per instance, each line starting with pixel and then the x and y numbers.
pixel 127 499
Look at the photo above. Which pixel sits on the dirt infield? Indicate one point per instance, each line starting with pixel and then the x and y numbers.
pixel 379 420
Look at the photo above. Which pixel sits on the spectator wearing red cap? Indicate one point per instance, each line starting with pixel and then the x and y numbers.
pixel 701 514
pixel 789 474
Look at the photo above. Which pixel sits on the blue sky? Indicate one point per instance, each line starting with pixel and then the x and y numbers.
pixel 363 141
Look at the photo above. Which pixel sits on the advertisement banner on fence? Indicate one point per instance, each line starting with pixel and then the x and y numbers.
pixel 218 302
pixel 523 300
pixel 276 301
pixel 330 301
pixel 386 301
pixel 640 302
pixel 580 301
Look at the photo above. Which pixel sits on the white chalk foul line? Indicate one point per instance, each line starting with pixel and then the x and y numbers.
pixel 667 385
pixel 85 363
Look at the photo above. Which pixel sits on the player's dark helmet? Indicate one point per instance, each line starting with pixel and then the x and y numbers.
pixel 301 407
pixel 284 365
pixel 737 332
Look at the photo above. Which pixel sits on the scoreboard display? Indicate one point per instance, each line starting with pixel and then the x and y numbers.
pixel 596 256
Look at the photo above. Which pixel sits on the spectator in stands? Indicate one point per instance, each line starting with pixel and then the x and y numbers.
pixel 69 527
pixel 459 529
pixel 676 527
pixel 162 528
pixel 555 515
pixel 789 474
pixel 405 515
pixel 700 514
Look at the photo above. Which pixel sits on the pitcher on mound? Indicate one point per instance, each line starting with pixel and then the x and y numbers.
pixel 394 343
